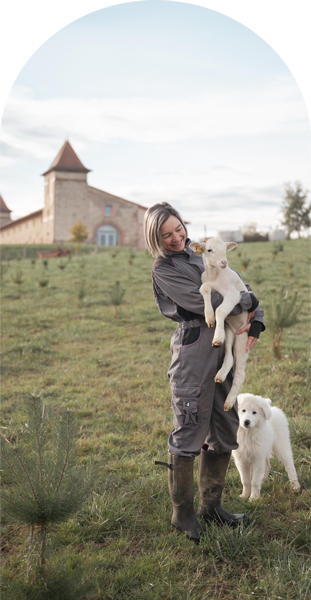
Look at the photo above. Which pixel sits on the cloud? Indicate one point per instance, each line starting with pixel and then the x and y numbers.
pixel 38 127
pixel 13 14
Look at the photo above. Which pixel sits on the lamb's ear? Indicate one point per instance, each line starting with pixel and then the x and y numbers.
pixel 230 246
pixel 197 248
pixel 265 406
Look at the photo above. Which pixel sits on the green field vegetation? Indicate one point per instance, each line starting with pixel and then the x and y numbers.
pixel 62 340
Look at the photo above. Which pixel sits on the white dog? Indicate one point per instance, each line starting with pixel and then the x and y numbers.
pixel 263 431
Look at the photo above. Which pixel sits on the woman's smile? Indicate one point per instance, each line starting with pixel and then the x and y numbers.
pixel 173 235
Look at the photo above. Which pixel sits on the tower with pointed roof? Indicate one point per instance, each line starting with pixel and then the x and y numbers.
pixel 65 190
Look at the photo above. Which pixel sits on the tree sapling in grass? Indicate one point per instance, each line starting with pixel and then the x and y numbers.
pixel 45 486
pixel 3 270
pixel 17 277
pixel 245 262
pixel 116 296
pixel 282 313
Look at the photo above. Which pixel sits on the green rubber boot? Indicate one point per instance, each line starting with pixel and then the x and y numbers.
pixel 180 484
pixel 211 478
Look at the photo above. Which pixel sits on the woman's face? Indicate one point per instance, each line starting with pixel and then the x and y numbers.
pixel 173 235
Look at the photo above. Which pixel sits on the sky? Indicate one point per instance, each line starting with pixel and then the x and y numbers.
pixel 163 101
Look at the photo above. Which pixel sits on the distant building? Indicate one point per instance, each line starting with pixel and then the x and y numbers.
pixel 5 213
pixel 68 198
pixel 277 235
pixel 231 236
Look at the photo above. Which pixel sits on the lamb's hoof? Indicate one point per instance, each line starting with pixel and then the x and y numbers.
pixel 217 343
pixel 218 379
pixel 210 322
pixel 227 406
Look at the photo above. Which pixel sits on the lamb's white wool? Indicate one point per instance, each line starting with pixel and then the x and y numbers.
pixel 220 278
pixel 263 431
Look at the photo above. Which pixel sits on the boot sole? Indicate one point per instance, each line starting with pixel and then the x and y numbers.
pixel 192 539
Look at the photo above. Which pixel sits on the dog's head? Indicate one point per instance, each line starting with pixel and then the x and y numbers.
pixel 253 410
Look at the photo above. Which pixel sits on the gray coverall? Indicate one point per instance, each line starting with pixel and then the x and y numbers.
pixel 197 401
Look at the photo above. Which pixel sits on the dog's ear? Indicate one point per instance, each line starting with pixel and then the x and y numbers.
pixel 265 406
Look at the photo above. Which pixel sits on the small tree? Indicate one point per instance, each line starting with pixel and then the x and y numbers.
pixel 79 234
pixel 46 487
pixel 3 270
pixel 295 209
pixel 116 295
pixel 245 262
pixel 282 313
pixel 17 277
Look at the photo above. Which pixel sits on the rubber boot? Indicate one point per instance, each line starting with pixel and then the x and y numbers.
pixel 180 484
pixel 211 478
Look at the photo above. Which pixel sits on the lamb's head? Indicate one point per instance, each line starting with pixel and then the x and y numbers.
pixel 214 251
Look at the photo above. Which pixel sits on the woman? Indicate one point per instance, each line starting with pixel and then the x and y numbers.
pixel 201 426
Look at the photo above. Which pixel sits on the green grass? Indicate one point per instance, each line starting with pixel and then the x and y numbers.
pixel 112 373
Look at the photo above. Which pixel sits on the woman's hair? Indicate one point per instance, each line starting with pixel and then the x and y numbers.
pixel 155 216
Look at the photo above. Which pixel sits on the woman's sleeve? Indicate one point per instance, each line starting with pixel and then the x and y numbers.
pixel 185 292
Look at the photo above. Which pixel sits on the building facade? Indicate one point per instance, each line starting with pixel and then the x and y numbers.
pixel 110 220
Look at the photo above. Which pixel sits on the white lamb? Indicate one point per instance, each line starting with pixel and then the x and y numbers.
pixel 220 278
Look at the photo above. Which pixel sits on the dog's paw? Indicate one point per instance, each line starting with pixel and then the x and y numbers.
pixel 295 485
pixel 254 497
pixel 243 495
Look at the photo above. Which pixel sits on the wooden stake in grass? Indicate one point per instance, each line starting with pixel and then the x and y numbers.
pixel 81 293
pixel 282 313
pixel 46 486
pixel 116 295
pixel 132 254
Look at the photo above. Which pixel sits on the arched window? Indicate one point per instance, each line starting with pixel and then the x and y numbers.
pixel 106 235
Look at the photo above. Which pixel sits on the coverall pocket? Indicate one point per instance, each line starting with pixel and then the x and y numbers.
pixel 186 404
pixel 191 336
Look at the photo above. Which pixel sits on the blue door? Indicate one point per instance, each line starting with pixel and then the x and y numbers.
pixel 107 235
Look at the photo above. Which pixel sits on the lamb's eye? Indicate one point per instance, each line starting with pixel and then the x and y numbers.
pixel 254 412
pixel 243 410
pixel 210 250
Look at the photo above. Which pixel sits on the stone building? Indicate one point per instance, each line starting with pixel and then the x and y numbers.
pixel 68 198
pixel 5 213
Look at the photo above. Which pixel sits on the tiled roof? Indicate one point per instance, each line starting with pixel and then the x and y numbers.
pixel 3 206
pixel 36 213
pixel 67 160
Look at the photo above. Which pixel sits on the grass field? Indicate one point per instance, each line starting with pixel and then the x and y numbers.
pixel 63 341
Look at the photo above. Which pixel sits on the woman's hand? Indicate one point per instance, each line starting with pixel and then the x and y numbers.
pixel 251 340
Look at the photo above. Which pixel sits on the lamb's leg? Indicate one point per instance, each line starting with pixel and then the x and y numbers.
pixel 228 358
pixel 205 290
pixel 225 308
pixel 239 369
